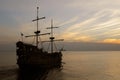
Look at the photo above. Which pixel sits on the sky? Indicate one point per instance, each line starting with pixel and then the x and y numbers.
pixel 84 21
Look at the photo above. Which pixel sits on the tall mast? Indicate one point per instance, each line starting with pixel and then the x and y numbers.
pixel 52 38
pixel 37 31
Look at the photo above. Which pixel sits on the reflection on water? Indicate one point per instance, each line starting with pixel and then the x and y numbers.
pixel 39 74
pixel 32 74
pixel 87 65
pixel 92 65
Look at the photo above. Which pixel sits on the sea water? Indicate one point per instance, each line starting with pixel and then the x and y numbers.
pixel 7 58
pixel 77 65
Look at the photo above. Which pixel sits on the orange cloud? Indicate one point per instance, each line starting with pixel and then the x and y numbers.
pixel 83 38
pixel 76 37
pixel 116 41
pixel 69 36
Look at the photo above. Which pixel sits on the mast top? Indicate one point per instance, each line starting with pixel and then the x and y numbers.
pixel 37 32
pixel 37 7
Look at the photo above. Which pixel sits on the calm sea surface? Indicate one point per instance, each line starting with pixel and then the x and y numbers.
pixel 77 65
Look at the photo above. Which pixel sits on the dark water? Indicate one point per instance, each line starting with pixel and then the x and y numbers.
pixel 77 65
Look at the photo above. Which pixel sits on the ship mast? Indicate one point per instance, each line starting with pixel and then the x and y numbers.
pixel 52 37
pixel 37 31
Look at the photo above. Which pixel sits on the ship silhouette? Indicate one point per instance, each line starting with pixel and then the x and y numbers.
pixel 31 56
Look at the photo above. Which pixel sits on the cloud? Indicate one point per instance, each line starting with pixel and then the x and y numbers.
pixel 80 25
pixel 83 39
pixel 114 41
pixel 94 4
pixel 74 19
pixel 102 25
pixel 76 37
pixel 69 36
pixel 83 20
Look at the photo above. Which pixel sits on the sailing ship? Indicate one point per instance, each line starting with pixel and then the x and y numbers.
pixel 31 56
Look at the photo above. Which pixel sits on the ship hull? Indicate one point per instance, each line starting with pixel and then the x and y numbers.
pixel 30 56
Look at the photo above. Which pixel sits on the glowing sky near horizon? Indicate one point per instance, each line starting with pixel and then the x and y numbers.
pixel 79 20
